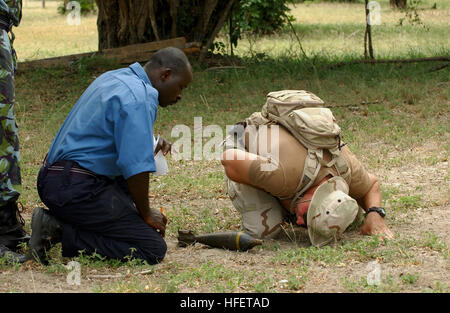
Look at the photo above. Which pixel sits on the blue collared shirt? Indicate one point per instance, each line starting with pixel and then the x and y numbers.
pixel 110 129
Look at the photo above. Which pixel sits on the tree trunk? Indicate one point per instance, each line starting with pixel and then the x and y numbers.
pixel 126 22
pixel 219 24
pixel 400 4
pixel 368 35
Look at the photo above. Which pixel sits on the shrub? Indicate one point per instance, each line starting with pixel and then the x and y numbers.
pixel 86 6
pixel 258 17
pixel 350 1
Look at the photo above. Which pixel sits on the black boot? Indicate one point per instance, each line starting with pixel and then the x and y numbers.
pixel 46 230
pixel 12 232
pixel 11 256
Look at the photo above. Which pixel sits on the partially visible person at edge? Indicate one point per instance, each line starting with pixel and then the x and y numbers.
pixel 12 224
pixel 263 197
pixel 95 178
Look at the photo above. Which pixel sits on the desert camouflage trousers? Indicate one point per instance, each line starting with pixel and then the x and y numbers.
pixel 10 180
pixel 262 213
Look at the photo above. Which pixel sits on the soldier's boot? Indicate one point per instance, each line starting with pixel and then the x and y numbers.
pixel 11 256
pixel 46 231
pixel 12 231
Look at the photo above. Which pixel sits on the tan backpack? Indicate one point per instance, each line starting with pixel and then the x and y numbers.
pixel 303 115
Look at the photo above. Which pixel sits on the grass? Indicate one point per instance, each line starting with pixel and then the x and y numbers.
pixel 387 284
pixel 410 278
pixel 399 250
pixel 220 277
pixel 336 29
pixel 306 256
pixel 44 33
pixel 385 112
pixel 332 29
pixel 432 241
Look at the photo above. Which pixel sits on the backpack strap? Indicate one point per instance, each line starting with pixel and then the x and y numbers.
pixel 313 164
pixel 340 164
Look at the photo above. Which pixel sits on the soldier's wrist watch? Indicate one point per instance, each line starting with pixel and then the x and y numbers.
pixel 379 210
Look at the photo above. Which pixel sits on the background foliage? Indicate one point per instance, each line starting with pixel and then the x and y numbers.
pixel 87 6
pixel 258 17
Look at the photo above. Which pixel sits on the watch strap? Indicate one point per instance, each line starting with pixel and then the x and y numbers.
pixel 379 210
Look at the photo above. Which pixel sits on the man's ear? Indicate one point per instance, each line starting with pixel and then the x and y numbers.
pixel 165 74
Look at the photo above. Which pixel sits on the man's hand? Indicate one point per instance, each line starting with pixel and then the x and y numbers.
pixel 163 145
pixel 157 220
pixel 374 225
pixel 138 187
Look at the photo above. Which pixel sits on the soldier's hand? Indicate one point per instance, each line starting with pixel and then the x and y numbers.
pixel 374 225
pixel 163 145
pixel 157 220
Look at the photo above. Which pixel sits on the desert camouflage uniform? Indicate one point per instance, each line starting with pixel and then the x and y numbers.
pixel 262 214
pixel 10 180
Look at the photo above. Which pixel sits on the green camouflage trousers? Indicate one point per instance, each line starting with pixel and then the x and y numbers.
pixel 10 179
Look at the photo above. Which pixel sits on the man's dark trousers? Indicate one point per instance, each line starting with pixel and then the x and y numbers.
pixel 98 214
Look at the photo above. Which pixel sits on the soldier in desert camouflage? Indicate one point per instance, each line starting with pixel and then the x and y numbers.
pixel 11 222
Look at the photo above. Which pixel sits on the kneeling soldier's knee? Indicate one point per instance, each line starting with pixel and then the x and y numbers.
pixel 155 252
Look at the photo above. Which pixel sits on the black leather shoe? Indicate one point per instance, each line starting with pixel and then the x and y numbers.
pixel 46 230
pixel 11 256
pixel 12 224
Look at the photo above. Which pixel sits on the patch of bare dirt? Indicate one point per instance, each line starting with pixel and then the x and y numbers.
pixel 426 175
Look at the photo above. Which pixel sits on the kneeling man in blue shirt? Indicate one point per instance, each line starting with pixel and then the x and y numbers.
pixel 95 178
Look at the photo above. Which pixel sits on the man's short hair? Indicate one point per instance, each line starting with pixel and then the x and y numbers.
pixel 169 57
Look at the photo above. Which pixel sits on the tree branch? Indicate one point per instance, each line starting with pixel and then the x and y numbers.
pixel 370 61
pixel 151 12
pixel 368 34
pixel 207 11
pixel 173 15
pixel 439 67
pixel 219 25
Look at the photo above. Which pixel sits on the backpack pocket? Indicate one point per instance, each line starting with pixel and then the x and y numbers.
pixel 315 127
